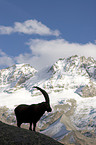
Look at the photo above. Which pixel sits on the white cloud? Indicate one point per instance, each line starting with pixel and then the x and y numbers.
pixel 29 27
pixel 5 60
pixel 6 30
pixel 46 52
pixel 43 52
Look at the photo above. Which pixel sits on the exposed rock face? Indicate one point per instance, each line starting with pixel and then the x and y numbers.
pixel 89 91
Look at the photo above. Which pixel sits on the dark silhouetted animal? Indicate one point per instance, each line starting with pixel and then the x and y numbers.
pixel 32 113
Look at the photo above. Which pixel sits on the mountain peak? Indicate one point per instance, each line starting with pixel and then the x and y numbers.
pixel 74 64
pixel 15 75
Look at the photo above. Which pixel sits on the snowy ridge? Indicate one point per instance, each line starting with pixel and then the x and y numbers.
pixel 67 73
pixel 15 76
pixel 75 65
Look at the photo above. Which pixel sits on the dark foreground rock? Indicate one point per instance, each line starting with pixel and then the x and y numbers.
pixel 11 135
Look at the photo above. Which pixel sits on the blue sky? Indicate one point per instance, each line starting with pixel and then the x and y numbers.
pixel 39 32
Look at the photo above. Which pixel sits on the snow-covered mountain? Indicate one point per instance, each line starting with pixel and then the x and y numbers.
pixel 71 85
pixel 13 77
pixel 76 73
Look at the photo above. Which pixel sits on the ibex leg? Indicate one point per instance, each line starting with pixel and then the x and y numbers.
pixel 18 124
pixel 30 128
pixel 34 126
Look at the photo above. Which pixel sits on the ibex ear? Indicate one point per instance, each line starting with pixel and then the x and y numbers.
pixel 44 93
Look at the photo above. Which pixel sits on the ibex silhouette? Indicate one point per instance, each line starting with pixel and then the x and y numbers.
pixel 32 113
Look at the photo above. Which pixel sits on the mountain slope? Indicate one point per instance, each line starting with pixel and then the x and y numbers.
pixel 77 73
pixel 11 78
pixel 17 136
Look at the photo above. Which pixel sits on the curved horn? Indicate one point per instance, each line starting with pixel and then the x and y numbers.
pixel 44 93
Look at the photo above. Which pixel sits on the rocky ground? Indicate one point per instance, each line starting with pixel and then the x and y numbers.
pixel 11 135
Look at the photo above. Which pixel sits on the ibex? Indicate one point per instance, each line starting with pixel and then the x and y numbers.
pixel 32 113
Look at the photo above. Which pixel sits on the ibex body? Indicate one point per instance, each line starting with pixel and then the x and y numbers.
pixel 32 113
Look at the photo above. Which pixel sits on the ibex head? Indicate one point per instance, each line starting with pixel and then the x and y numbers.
pixel 47 103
